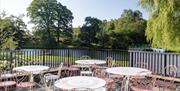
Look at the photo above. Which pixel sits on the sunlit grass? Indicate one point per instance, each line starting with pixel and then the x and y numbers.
pixel 61 58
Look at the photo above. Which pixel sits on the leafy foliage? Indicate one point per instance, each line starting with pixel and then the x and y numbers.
pixel 63 27
pixel 9 43
pixel 76 39
pixel 53 28
pixel 53 22
pixel 132 25
pixel 103 35
pixel 12 31
pixel 126 31
pixel 163 25
pixel 89 31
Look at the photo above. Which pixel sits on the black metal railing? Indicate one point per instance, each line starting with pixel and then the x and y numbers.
pixel 156 62
pixel 53 57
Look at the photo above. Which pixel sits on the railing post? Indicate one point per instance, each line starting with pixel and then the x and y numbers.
pixel 165 64
pixel 130 58
pixel 89 53
pixel 11 59
pixel 107 52
pixel 43 57
pixel 127 58
pixel 68 57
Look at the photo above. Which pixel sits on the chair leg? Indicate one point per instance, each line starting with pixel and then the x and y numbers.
pixel 5 89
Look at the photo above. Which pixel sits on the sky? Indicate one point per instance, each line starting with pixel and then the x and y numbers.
pixel 101 9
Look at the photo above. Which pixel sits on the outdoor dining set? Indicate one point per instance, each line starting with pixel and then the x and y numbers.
pixel 85 75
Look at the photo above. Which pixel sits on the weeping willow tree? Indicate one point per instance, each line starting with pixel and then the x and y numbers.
pixel 163 27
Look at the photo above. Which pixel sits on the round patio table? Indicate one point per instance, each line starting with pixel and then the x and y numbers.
pixel 80 82
pixel 90 62
pixel 128 72
pixel 33 69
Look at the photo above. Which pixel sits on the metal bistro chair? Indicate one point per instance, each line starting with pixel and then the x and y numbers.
pixel 168 71
pixel 85 57
pixel 146 84
pixel 86 70
pixel 109 81
pixel 43 84
pixel 110 62
pixel 23 81
pixel 73 71
pixel 50 78
pixel 6 80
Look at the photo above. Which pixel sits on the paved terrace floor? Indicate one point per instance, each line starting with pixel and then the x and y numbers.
pixel 154 89
pixel 177 80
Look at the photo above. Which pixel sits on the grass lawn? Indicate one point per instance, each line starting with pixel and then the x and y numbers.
pixel 60 58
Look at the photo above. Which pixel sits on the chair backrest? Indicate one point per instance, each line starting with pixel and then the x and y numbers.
pixel 6 75
pixel 147 82
pixel 60 68
pixel 85 57
pixel 22 76
pixel 170 70
pixel 110 62
pixel 101 73
pixel 86 68
pixel 42 78
pixel 1 72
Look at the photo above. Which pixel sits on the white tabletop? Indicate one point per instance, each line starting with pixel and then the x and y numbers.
pixel 128 71
pixel 90 61
pixel 70 83
pixel 35 69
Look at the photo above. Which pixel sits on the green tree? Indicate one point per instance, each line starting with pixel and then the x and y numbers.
pixel 30 41
pixel 19 31
pixel 42 14
pixel 53 21
pixel 129 29
pixel 89 31
pixel 129 20
pixel 163 24
pixel 119 40
pixel 64 24
pixel 126 31
pixel 103 35
pixel 76 34
pixel 9 43
pixel 12 30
